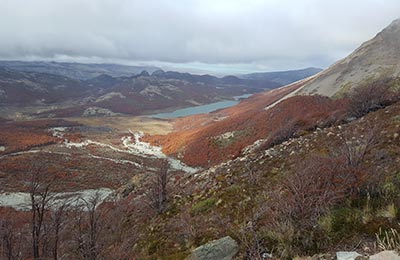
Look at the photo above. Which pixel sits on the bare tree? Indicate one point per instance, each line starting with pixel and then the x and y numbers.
pixel 58 220
pixel 87 228
pixel 10 240
pixel 40 196
pixel 158 193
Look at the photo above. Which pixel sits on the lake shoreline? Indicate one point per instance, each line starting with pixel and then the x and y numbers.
pixel 201 109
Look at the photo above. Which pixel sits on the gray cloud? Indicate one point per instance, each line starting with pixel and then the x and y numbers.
pixel 206 34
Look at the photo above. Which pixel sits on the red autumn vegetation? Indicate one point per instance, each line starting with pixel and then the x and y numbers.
pixel 202 144
pixel 20 136
pixel 372 97
pixel 17 139
pixel 197 129
pixel 208 139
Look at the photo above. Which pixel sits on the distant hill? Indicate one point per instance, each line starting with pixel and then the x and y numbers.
pixel 18 88
pixel 48 95
pixel 209 79
pixel 282 77
pixel 43 89
pixel 79 71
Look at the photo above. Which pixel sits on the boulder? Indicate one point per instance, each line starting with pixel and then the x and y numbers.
pixel 347 255
pixel 221 249
pixel 385 255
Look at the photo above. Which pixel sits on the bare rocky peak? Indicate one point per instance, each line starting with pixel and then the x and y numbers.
pixel 394 26
pixel 375 59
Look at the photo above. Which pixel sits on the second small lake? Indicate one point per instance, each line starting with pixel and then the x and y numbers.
pixel 201 109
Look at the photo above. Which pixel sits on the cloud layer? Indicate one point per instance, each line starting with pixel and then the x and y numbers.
pixel 248 34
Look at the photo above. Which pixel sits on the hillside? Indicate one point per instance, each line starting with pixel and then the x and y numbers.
pixel 208 139
pixel 27 88
pixel 270 198
pixel 222 135
pixel 291 210
pixel 375 59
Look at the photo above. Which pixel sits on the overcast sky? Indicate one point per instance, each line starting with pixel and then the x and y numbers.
pixel 224 36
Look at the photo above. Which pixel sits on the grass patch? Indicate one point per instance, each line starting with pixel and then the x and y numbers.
pixel 203 206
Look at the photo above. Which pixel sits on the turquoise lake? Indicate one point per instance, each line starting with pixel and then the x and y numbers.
pixel 201 109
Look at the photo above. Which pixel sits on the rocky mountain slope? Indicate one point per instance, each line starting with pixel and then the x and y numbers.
pixel 375 59
pixel 274 200
pixel 213 138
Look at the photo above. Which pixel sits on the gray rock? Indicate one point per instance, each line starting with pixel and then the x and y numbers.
pixel 347 255
pixel 385 255
pixel 127 189
pixel 221 249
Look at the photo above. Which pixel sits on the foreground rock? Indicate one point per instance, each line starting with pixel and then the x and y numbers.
pixel 221 249
pixel 347 255
pixel 386 255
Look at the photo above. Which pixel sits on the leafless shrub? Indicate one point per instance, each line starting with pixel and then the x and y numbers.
pixel 305 196
pixel 188 226
pixel 371 97
pixel 318 184
pixel 310 191
pixel 251 173
pixel 250 232
pixel 283 133
pixel 355 145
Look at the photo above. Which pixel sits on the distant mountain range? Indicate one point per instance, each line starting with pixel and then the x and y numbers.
pixel 51 89
pixel 282 77
pixel 79 71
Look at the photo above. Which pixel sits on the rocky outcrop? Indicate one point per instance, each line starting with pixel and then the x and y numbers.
pixel 97 111
pixel 221 249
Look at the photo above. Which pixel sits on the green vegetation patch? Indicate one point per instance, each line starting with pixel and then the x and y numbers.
pixel 203 206
pixel 229 138
pixel 344 89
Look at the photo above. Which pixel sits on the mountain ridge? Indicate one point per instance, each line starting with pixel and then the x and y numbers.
pixel 135 94
pixel 75 70
pixel 282 76
pixel 374 59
